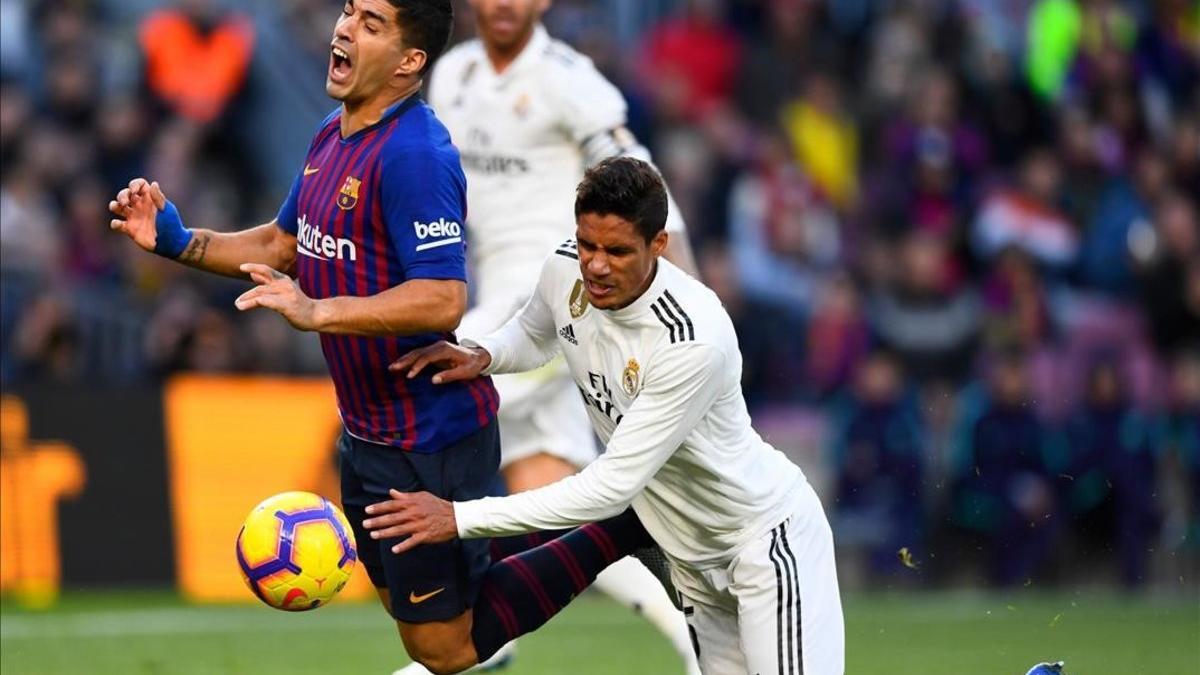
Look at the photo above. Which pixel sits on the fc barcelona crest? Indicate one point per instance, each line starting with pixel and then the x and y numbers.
pixel 348 195
pixel 629 378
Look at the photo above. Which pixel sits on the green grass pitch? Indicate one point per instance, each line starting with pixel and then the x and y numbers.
pixel 918 634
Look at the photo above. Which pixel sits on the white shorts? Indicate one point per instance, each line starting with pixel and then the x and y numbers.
pixel 541 412
pixel 775 609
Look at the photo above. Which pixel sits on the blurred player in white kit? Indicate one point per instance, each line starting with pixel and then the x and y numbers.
pixel 529 114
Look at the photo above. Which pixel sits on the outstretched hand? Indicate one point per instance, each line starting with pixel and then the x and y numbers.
pixel 279 292
pixel 135 209
pixel 457 362
pixel 420 516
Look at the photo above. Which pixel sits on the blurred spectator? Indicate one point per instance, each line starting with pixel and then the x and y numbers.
pixel 688 62
pixel 14 39
pixel 1052 39
pixel 46 343
pixel 877 463
pixel 71 93
pixel 29 240
pixel 785 237
pixel 923 315
pixel 122 128
pixel 1184 147
pixel 1014 302
pixel 197 57
pixel 1001 485
pixel 1121 215
pixel 825 142
pixel 838 337
pixel 1168 260
pixel 772 66
pixel 1111 474
pixel 1028 217
pixel 1167 51
pixel 929 160
pixel 1180 443
pixel 91 253
pixel 15 111
pixel 1010 114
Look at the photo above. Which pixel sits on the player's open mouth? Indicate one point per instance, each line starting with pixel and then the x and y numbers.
pixel 339 65
pixel 597 289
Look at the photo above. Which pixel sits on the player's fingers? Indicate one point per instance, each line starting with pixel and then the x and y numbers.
pixel 409 544
pixel 405 361
pixel 260 278
pixel 384 508
pixel 123 197
pixel 258 296
pixel 138 185
pixel 458 373
pixel 392 525
pixel 252 268
pixel 156 193
pixel 117 225
pixel 426 358
pixel 118 209
pixel 265 270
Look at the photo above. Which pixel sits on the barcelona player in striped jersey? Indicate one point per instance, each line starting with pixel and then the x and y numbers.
pixel 368 251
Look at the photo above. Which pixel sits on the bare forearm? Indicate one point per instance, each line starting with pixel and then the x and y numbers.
pixel 224 252
pixel 417 306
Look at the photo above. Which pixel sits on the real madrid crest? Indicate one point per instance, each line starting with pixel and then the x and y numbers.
pixel 521 107
pixel 579 300
pixel 629 378
pixel 348 195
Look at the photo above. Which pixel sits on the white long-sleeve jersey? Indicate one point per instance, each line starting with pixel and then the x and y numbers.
pixel 661 379
pixel 525 136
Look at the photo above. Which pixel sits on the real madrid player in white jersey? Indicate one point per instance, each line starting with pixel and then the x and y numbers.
pixel 654 355
pixel 528 114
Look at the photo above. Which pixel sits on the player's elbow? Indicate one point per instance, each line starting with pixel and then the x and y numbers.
pixel 282 250
pixel 616 496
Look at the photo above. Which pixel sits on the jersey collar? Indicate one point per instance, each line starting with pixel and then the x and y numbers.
pixel 532 52
pixel 392 111
pixel 642 305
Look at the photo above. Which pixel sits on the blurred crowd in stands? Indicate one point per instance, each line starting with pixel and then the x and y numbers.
pixel 958 237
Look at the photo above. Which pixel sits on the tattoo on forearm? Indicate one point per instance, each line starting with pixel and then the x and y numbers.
pixel 196 248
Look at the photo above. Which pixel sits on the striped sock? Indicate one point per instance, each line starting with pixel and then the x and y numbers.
pixel 521 592
pixel 503 547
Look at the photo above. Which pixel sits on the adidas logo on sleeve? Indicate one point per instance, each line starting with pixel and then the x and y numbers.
pixel 568 333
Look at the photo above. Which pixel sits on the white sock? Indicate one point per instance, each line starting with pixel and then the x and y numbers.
pixel 629 582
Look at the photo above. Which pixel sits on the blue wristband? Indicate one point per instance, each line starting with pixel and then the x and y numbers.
pixel 171 236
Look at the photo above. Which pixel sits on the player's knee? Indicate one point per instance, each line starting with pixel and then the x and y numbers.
pixel 443 661
pixel 443 647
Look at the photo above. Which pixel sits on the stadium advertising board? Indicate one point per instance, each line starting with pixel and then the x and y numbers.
pixel 133 486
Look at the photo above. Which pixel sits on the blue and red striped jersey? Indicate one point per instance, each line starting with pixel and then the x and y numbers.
pixel 370 212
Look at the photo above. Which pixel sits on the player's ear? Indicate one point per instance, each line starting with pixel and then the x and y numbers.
pixel 411 62
pixel 658 245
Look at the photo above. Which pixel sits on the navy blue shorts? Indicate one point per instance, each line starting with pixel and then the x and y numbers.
pixel 433 582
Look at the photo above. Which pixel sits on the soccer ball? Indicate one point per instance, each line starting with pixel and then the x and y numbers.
pixel 296 551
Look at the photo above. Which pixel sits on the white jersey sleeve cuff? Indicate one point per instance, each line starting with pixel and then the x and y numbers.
pixel 470 519
pixel 482 343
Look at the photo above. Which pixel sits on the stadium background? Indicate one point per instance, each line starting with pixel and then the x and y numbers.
pixel 958 239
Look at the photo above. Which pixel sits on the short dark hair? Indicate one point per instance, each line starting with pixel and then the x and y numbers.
pixel 624 187
pixel 426 25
